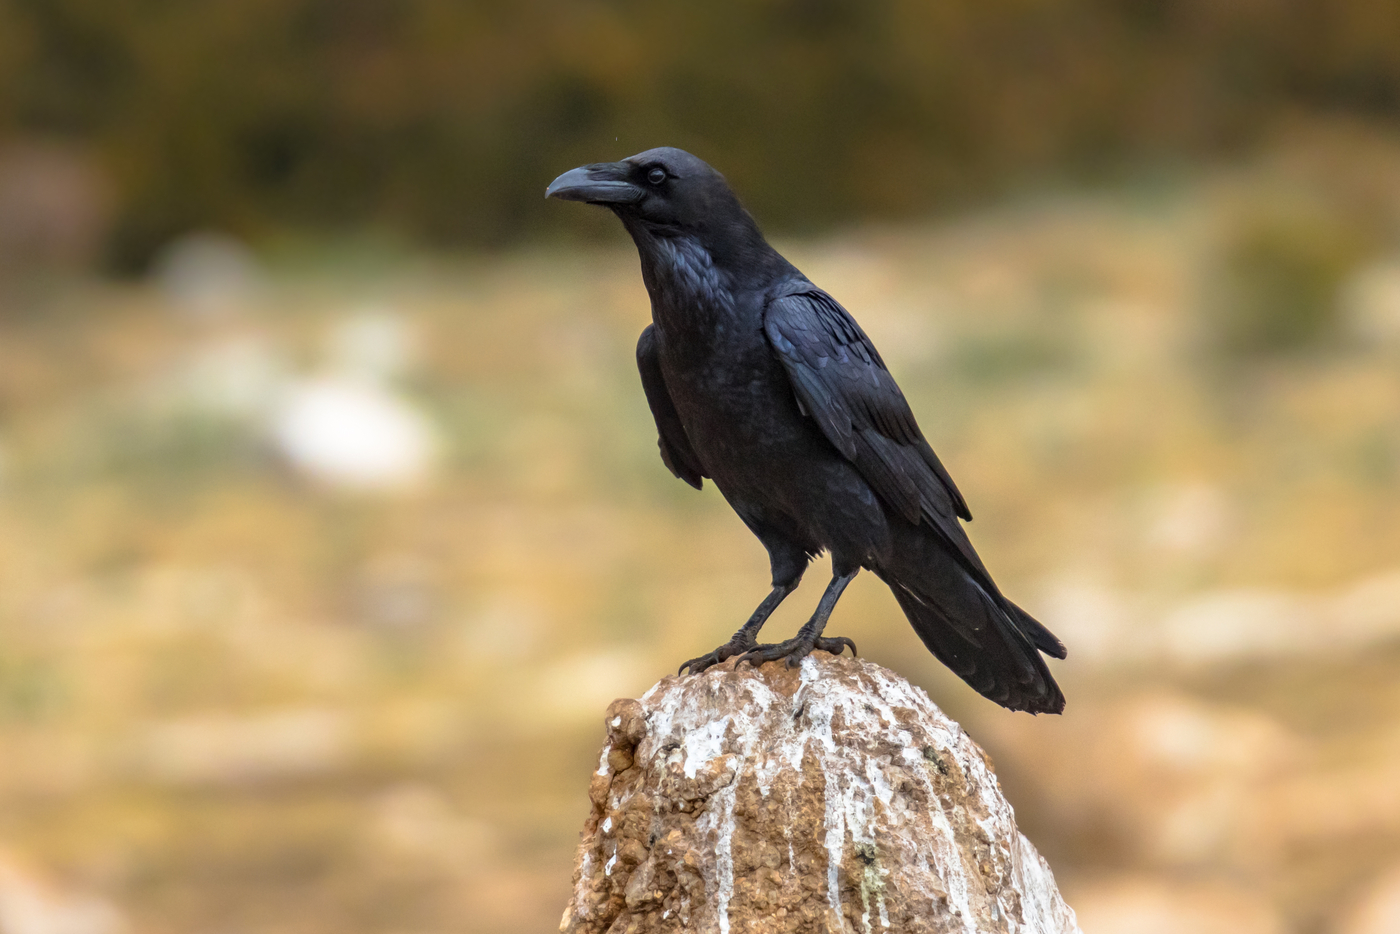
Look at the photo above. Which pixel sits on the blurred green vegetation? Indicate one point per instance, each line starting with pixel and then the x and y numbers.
pixel 1282 268
pixel 444 120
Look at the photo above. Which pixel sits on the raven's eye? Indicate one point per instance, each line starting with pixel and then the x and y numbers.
pixel 657 175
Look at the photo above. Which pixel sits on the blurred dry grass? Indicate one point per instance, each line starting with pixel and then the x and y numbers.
pixel 231 701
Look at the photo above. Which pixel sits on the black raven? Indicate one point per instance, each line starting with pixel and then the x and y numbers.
pixel 763 383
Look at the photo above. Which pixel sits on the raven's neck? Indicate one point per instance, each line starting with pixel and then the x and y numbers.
pixel 688 290
pixel 699 287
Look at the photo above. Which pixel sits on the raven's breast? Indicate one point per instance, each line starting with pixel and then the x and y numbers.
pixel 743 421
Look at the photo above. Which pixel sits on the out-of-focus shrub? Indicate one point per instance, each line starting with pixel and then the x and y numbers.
pixel 445 120
pixel 1011 356
pixel 1280 273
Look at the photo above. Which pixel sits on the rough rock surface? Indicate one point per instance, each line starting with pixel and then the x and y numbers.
pixel 831 798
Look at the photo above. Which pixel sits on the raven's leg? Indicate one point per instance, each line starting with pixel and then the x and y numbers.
pixel 788 562
pixel 747 636
pixel 809 637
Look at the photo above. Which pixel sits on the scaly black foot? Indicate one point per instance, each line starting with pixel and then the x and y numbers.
pixel 735 646
pixel 796 649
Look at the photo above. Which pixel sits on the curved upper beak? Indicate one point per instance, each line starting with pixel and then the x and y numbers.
pixel 601 183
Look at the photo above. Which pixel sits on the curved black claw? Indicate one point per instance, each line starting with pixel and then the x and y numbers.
pixel 835 645
pixel 795 649
pixel 709 659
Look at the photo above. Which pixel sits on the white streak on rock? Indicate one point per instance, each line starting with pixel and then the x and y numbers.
pixel 724 857
pixel 585 871
pixel 603 760
pixel 703 744
pixel 835 838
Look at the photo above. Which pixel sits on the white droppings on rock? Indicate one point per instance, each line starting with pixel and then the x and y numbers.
pixel 579 905
pixel 724 856
pixel 703 744
pixel 835 837
pixel 889 817
pixel 603 760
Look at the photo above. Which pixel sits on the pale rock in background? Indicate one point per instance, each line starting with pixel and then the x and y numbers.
pixel 416 821
pixel 223 749
pixel 208 276
pixel 29 905
pixel 238 378
pixel 1378 911
pixel 575 686
pixel 507 627
pixel 374 343
pixel 347 427
pixel 1090 615
pixel 1371 303
pixel 1260 623
pixel 1146 905
pixel 1107 626
pixel 354 435
pixel 1189 519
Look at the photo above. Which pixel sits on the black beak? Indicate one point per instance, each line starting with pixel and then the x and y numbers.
pixel 602 183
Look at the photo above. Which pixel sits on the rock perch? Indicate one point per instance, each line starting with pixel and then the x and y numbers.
pixel 831 798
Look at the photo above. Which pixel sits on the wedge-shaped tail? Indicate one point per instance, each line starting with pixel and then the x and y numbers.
pixel 987 640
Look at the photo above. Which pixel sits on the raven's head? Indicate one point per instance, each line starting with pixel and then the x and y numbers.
pixel 666 191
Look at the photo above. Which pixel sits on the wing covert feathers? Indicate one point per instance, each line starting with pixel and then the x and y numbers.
pixel 841 383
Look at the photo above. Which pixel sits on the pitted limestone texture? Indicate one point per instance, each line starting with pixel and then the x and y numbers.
pixel 832 798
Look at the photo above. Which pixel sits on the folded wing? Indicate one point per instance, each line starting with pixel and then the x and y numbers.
pixel 676 453
pixel 841 382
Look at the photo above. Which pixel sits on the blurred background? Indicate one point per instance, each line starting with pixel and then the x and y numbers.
pixel 331 516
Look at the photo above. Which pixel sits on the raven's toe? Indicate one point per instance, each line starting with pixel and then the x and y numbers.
pixel 836 645
pixel 710 659
pixel 795 649
pixel 771 652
